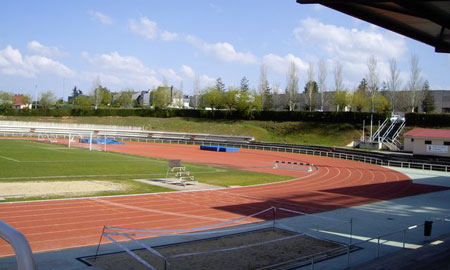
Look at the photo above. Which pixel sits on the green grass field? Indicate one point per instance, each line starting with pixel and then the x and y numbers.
pixel 22 160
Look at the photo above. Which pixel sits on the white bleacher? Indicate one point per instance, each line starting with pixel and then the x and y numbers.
pixel 64 130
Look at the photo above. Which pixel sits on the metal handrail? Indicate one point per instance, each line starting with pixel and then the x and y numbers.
pixel 380 128
pixel 22 249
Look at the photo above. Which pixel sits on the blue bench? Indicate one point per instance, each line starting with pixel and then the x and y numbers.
pixel 219 148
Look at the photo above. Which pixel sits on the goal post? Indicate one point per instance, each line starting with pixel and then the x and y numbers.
pixel 91 141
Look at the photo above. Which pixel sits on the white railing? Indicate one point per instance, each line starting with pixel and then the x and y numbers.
pixel 66 125
pixel 18 128
pixel 22 249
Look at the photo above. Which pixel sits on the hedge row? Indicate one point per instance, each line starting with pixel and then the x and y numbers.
pixel 336 117
pixel 427 120
pixel 412 119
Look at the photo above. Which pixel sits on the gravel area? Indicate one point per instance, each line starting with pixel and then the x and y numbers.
pixel 38 189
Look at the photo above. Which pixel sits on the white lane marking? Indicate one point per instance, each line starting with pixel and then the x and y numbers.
pixel 11 159
pixel 155 211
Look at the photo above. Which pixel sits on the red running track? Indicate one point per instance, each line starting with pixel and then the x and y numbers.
pixel 336 183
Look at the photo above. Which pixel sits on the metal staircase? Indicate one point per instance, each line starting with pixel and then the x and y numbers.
pixel 387 134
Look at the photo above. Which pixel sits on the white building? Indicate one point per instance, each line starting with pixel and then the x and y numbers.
pixel 426 141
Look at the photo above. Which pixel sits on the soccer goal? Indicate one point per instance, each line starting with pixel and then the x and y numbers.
pixel 91 141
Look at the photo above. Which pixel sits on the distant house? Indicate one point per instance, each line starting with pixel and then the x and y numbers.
pixel 20 104
pixel 142 98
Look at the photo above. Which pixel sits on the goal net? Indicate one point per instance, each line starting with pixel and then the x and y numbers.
pixel 91 141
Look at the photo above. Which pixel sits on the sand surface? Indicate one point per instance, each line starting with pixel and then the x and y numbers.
pixel 36 189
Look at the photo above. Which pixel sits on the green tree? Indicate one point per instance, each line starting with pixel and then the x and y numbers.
pixel 428 99
pixel 124 99
pixel 6 100
pixel 257 102
pixel 106 96
pixel 213 98
pixel 311 92
pixel 341 99
pixel 292 86
pixel 381 103
pixel 243 101
pixel 360 100
pixel 267 99
pixel 244 84
pixel 229 98
pixel 47 100
pixel 220 85
pixel 160 97
pixel 82 101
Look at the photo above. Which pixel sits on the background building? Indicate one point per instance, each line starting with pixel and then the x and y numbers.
pixel 429 142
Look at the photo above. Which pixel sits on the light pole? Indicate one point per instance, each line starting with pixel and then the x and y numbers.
pixel 35 102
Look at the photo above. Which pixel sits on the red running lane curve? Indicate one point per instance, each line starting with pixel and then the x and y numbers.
pixel 335 183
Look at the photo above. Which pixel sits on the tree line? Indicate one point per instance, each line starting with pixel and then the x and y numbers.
pixel 371 95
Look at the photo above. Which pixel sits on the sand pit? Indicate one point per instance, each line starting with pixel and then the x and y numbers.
pixel 227 252
pixel 55 188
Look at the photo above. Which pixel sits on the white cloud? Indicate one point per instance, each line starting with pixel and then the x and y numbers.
pixel 131 71
pixel 280 64
pixel 98 16
pixel 144 27
pixel 38 48
pixel 43 64
pixel 13 63
pixel 223 51
pixel 351 46
pixel 170 74
pixel 168 36
pixel 187 71
pixel 206 81
pixel 350 43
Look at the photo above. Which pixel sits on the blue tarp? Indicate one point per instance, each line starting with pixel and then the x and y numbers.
pixel 219 148
pixel 100 141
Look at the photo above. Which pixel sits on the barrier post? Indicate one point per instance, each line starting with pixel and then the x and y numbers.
pixel 378 247
pixel 274 217
pixel 404 238
pixel 348 256
pixel 351 230
pixel 99 242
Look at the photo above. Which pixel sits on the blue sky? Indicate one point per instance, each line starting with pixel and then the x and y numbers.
pixel 138 44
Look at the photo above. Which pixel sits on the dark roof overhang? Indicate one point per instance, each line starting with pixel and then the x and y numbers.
pixel 425 21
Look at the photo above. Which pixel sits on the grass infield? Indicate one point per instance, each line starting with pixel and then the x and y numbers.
pixel 22 160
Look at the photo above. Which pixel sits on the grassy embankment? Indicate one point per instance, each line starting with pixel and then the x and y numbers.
pixel 326 134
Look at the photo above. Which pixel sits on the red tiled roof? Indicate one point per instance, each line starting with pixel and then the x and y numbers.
pixel 18 100
pixel 428 133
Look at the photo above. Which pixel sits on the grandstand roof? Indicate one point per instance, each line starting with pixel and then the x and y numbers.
pixel 429 133
pixel 425 21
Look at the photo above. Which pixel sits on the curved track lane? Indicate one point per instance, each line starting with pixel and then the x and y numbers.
pixel 333 184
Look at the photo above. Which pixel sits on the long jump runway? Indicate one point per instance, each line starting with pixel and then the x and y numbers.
pixel 334 183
